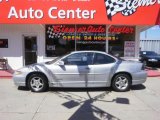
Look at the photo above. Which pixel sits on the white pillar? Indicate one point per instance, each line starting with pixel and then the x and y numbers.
pixel 137 41
pixel 107 42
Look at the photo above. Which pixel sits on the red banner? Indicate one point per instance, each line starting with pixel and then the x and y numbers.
pixel 129 12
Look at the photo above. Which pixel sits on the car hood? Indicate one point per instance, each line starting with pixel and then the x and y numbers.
pixel 36 66
pixel 32 67
pixel 153 57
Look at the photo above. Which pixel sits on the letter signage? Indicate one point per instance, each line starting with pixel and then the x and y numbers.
pixel 121 29
pixel 129 12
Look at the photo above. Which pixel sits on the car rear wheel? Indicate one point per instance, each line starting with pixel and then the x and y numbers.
pixel 37 83
pixel 121 82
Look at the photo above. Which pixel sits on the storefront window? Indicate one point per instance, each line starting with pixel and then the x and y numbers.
pixel 92 37
pixel 60 39
pixel 122 41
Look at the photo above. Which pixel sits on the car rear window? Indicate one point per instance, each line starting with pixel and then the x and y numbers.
pixel 103 59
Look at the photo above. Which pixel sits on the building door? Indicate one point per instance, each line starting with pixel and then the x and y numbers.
pixel 30 49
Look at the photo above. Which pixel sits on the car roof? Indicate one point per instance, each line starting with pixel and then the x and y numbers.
pixel 89 51
pixel 94 51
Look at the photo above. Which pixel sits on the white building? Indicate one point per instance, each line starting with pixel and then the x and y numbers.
pixel 18 35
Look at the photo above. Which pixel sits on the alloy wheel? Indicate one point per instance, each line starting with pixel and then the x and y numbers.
pixel 36 83
pixel 121 83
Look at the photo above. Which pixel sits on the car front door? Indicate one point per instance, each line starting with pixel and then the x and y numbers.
pixel 77 70
pixel 103 69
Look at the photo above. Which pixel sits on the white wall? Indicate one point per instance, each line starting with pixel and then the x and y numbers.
pixel 139 29
pixel 14 33
pixel 150 45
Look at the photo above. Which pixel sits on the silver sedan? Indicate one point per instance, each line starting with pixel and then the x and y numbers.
pixel 82 69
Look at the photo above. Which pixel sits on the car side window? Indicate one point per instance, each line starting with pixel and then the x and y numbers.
pixel 103 59
pixel 79 59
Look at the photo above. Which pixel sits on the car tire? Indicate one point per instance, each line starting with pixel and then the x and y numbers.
pixel 37 83
pixel 145 63
pixel 121 82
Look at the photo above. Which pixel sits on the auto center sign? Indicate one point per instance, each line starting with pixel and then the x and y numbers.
pixel 131 12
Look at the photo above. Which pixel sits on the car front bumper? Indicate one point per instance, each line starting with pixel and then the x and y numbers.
pixel 153 63
pixel 19 80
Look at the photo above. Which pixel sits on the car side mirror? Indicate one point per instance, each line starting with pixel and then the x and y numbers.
pixel 60 63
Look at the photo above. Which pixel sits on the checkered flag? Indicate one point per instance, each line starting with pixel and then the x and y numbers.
pixel 111 7
pixel 115 6
pixel 52 34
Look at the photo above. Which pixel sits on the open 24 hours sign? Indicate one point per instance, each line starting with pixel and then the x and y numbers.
pixel 129 12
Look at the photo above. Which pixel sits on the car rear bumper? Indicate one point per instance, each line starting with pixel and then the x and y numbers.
pixel 139 77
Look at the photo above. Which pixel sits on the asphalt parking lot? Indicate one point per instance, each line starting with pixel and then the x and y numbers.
pixel 142 102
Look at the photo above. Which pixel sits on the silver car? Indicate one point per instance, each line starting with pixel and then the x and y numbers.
pixel 82 69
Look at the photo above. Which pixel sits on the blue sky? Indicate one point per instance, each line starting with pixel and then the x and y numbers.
pixel 152 33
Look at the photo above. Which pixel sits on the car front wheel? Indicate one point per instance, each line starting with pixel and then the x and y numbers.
pixel 37 83
pixel 121 82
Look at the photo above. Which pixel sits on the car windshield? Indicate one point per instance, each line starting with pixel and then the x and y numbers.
pixel 149 53
pixel 53 61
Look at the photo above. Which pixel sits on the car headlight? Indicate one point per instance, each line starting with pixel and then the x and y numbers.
pixel 18 72
pixel 152 60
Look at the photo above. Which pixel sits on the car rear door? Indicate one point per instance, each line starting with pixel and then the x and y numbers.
pixel 103 66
